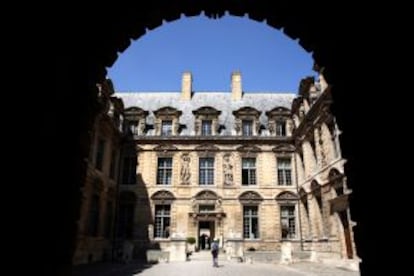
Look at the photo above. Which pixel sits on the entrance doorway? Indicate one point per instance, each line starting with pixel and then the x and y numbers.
pixel 206 234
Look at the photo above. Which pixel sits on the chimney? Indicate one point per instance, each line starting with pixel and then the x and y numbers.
pixel 236 86
pixel 186 86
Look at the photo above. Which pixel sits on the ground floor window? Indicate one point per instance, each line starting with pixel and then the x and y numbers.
pixel 250 222
pixel 162 221
pixel 288 221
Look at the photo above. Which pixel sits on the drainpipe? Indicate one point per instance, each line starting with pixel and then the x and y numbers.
pixel 297 192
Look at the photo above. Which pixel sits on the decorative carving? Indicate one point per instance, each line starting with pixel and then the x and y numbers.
pixel 272 127
pixel 284 148
pixel 249 148
pixel 141 126
pixel 206 195
pixel 218 206
pixel 197 126
pixel 165 147
pixel 207 111
pixel 168 111
pixel 238 125
pixel 163 195
pixel 185 169
pixel 250 197
pixel 283 196
pixel 176 127
pixel 227 170
pixel 207 147
pixel 280 111
pixel 247 111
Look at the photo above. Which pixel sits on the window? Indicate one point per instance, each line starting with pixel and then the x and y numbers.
pixel 284 171
pixel 248 171
pixel 100 154
pixel 166 128
pixel 94 216
pixel 164 174
pixel 206 172
pixel 109 218
pixel 206 208
pixel 113 165
pixel 250 222
pixel 280 128
pixel 129 170
pixel 162 221
pixel 247 127
pixel 287 220
pixel 133 126
pixel 206 127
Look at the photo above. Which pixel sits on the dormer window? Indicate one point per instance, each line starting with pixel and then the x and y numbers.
pixel 167 121
pixel 247 127
pixel 166 128
pixel 206 127
pixel 280 128
pixel 135 120
pixel 206 121
pixel 247 121
pixel 279 121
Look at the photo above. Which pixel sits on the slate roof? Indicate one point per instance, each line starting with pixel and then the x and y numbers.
pixel 222 101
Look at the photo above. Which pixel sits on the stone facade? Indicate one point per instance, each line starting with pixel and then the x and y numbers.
pixel 255 170
pixel 99 191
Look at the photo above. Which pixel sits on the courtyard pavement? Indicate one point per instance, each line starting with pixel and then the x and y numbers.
pixel 200 266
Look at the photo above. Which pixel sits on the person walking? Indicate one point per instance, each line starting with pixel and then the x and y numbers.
pixel 215 252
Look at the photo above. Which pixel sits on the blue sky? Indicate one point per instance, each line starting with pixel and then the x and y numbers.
pixel 211 49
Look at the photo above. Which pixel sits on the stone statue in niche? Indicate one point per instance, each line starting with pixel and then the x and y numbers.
pixel 185 169
pixel 227 170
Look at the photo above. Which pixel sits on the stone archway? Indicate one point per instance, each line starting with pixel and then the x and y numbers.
pixel 91 45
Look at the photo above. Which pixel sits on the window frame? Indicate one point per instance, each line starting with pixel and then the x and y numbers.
pixel 284 172
pixel 250 220
pixel 164 171
pixel 162 221
pixel 206 170
pixel 249 174
pixel 291 219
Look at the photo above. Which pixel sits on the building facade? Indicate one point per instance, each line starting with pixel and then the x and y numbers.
pixel 255 170
pixel 96 224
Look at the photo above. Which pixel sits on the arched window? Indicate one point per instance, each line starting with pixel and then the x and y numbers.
pixel 250 201
pixel 288 218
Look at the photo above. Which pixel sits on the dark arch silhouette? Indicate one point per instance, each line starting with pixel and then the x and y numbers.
pixel 89 41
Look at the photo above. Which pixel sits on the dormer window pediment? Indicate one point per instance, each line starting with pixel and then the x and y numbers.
pixel 167 121
pixel 206 121
pixel 247 121
pixel 279 121
pixel 136 120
